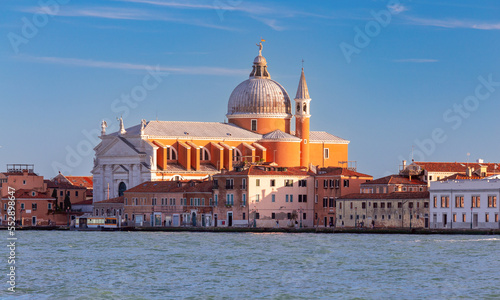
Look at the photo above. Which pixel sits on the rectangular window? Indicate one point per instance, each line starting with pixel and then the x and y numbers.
pixel 273 182
pixel 327 153
pixel 340 205
pixel 232 199
pixel 410 204
pixel 435 201
pixel 244 216
pixel 244 183
pixel 375 204
pixel 257 182
pixel 463 217
pixel 291 198
pixel 316 183
pixel 257 198
pixel 33 206
pixel 304 216
pixel 496 218
pixel 337 183
pixel 286 198
pixel 389 205
pixel 382 204
pixel 190 201
pixel 273 198
pixel 229 184
pixel 486 217
pixel 459 201
pixel 257 216
pixel 332 183
pixel 325 184
pixel 289 182
pixel 346 182
pixel 76 193
pixel 254 125
pixel 216 196
pixel 331 202
pixel 22 206
pixel 363 205
pixel 203 201
pixel 50 206
pixel 61 193
pixel 316 198
pixel 289 216
pixel 325 202
pixel 244 199
pixel 492 201
pixel 454 217
pixel 273 216
pixel 476 201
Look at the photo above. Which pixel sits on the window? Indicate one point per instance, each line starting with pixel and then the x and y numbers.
pixel 302 198
pixel 153 201
pixel 289 216
pixel 337 183
pixel 5 206
pixel 435 201
pixel 33 206
pixel 171 153
pixel 304 216
pixel 291 198
pixel 244 183
pixel 257 216
pixel 289 182
pixel 331 202
pixel 492 201
pixel 430 178
pixel 204 154
pixel 316 198
pixel 273 182
pixel 244 216
pixel 216 196
pixel 273 198
pixel 382 204
pixel 340 205
pixel 426 204
pixel 375 204
pixel 229 199
pixel 389 205
pixel 254 125
pixel 191 200
pixel 61 193
pixel 454 217
pixel 243 199
pixel 203 201
pixel 257 198
pixel 351 217
pixel 325 184
pixel 486 217
pixel 302 183
pixel 476 201
pixel 76 193
pixel 22 206
pixel 24 181
pixel 400 204
pixel 273 216
pixel 363 205
pixel 332 183
pixel 463 217
pixel 459 201
pixel 496 218
pixel 327 153
pixel 325 202
pixel 229 184
pixel 410 204
pixel 316 183
pixel 346 182
pixel 445 201
pixel 350 204
pixel 257 182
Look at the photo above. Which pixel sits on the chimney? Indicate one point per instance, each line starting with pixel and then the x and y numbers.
pixel 469 171
pixel 480 160
pixel 404 164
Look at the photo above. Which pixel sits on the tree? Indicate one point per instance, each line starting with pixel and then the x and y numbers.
pixel 67 202
pixel 54 195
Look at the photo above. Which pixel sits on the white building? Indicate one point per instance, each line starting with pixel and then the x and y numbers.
pixel 465 204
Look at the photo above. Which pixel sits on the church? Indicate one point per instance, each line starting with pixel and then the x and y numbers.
pixel 258 130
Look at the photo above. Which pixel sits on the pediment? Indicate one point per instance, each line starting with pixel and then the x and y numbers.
pixel 117 148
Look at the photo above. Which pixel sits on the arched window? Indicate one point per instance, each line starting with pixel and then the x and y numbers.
pixel 171 153
pixel 97 212
pixel 236 154
pixel 204 154
pixel 122 187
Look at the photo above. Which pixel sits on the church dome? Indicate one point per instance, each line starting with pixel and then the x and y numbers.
pixel 259 94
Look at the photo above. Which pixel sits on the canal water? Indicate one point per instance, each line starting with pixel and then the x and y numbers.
pixel 159 265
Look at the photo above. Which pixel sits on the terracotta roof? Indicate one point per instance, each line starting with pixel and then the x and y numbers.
pixel 84 202
pixel 260 170
pixel 396 179
pixel 331 171
pixel 280 135
pixel 459 176
pixel 202 187
pixel 323 136
pixel 86 181
pixel 458 167
pixel 389 196
pixel 26 193
pixel 62 185
pixel 158 187
pixel 120 199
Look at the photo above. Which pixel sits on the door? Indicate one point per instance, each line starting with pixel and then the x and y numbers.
pixel 475 220
pixel 215 220
pixel 426 222
pixel 33 221
pixel 434 220
pixel 176 220
pixel 229 219
pixel 326 222
pixel 331 222
pixel 445 220
pixel 203 223
pixel 194 218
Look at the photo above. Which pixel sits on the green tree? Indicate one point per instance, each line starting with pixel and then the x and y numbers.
pixel 67 202
pixel 54 195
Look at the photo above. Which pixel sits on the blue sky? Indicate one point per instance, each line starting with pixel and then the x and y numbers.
pixel 386 75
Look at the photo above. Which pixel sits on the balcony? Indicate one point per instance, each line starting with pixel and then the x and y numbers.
pixel 243 186
pixel 229 186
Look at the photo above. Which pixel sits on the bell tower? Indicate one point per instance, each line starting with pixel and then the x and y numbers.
pixel 302 116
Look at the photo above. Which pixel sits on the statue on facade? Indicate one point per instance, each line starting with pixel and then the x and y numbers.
pixel 122 127
pixel 103 127
pixel 143 125
pixel 260 46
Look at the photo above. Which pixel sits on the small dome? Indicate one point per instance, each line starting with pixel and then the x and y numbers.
pixel 259 96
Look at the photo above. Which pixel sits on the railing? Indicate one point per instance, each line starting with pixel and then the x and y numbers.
pixel 229 186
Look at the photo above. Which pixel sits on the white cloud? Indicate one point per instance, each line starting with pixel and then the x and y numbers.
pixel 454 23
pixel 196 70
pixel 416 60
pixel 397 8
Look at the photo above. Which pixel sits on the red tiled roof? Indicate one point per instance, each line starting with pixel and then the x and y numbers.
pixel 261 170
pixel 84 202
pixel 394 195
pixel 25 193
pixel 458 167
pixel 340 171
pixel 395 179
pixel 202 187
pixel 459 176
pixel 120 199
pixel 85 181
pixel 62 185
pixel 157 187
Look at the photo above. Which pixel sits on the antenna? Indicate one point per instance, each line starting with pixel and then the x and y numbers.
pixel 302 63
pixel 412 160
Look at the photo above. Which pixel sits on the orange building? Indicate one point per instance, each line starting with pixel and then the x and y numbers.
pixel 259 129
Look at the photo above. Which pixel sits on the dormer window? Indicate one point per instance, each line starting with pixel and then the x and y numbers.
pixel 33 194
